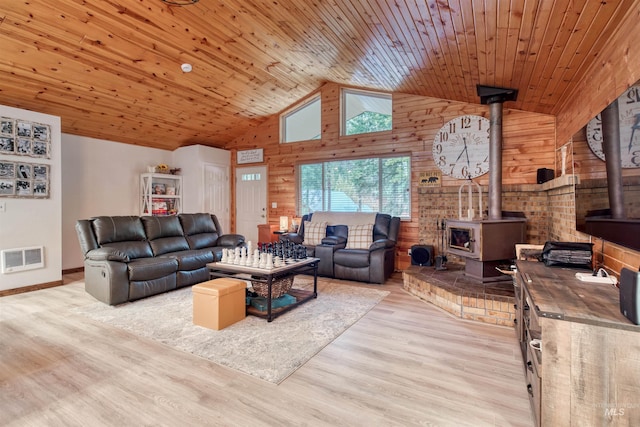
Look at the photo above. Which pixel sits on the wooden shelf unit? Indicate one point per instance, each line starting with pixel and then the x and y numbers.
pixel 154 199
pixel 587 371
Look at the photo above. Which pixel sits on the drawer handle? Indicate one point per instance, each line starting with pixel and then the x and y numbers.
pixel 530 390
pixel 529 366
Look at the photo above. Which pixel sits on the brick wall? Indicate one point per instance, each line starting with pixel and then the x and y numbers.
pixel 442 202
pixel 550 212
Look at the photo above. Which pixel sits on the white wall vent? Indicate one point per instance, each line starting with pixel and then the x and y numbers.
pixel 14 260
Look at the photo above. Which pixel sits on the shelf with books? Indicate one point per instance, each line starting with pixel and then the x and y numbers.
pixel 160 194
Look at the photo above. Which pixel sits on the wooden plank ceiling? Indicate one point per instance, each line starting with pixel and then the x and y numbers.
pixel 111 69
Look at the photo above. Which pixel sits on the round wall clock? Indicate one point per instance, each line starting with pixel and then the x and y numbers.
pixel 629 116
pixel 461 147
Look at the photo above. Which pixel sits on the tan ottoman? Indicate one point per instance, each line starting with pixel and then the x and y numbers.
pixel 219 303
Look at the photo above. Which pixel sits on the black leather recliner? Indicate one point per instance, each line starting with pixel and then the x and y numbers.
pixel 372 265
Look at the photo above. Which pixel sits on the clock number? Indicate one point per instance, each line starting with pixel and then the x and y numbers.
pixel 437 149
pixel 635 158
pixel 465 122
pixel 442 161
pixel 452 127
pixel 633 95
pixel 596 133
pixel 463 171
pixel 444 137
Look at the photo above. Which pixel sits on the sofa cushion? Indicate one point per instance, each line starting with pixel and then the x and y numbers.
pixel 157 227
pixel 151 268
pixel 360 236
pixel 164 234
pixel 314 232
pixel 109 229
pixel 197 223
pixel 131 249
pixel 355 258
pixel 199 230
pixel 191 259
pixel 346 218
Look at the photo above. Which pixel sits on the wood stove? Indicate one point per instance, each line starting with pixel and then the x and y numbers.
pixel 485 245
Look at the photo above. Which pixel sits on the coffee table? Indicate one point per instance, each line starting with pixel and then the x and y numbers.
pixel 307 266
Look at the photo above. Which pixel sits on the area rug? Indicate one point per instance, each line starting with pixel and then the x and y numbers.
pixel 270 351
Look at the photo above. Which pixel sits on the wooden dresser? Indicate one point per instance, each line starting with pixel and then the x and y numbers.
pixel 587 369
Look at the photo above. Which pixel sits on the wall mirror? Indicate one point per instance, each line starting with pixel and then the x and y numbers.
pixel 595 214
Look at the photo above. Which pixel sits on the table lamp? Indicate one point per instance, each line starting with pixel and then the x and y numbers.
pixel 284 223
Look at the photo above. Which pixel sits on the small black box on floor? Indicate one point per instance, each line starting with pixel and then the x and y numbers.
pixel 422 255
pixel 545 175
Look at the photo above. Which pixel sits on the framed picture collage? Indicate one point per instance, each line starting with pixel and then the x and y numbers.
pixel 24 178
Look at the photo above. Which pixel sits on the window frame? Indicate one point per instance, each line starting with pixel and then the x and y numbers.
pixel 344 92
pixel 379 158
pixel 291 112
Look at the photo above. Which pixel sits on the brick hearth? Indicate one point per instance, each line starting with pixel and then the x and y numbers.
pixel 452 291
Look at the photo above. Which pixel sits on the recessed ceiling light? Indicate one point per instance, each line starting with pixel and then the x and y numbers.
pixel 186 68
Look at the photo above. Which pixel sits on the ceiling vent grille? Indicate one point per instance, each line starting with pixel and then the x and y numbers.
pixel 21 259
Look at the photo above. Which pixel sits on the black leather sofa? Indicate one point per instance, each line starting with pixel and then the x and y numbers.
pixel 129 257
pixel 373 264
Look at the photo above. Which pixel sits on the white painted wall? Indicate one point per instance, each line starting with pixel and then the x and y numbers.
pixel 191 160
pixel 103 178
pixel 35 222
pixel 89 177
pixel 100 177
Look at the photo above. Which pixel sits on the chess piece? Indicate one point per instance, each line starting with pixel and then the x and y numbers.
pixel 263 260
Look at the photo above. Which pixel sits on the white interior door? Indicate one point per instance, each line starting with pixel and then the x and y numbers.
pixel 217 194
pixel 251 200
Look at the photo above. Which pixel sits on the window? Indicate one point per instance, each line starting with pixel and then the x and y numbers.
pixel 302 123
pixel 250 177
pixel 360 185
pixel 364 112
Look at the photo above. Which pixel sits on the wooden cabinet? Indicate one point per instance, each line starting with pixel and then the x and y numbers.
pixel 581 356
pixel 160 194
pixel 266 233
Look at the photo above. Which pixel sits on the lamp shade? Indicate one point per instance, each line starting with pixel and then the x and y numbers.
pixel 284 223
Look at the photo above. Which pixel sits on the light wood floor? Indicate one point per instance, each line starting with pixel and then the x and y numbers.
pixel 406 363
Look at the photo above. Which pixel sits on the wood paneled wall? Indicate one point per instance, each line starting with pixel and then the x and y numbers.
pixel 529 144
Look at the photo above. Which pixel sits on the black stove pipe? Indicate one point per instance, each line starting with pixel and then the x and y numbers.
pixel 611 148
pixel 495 161
pixel 495 97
